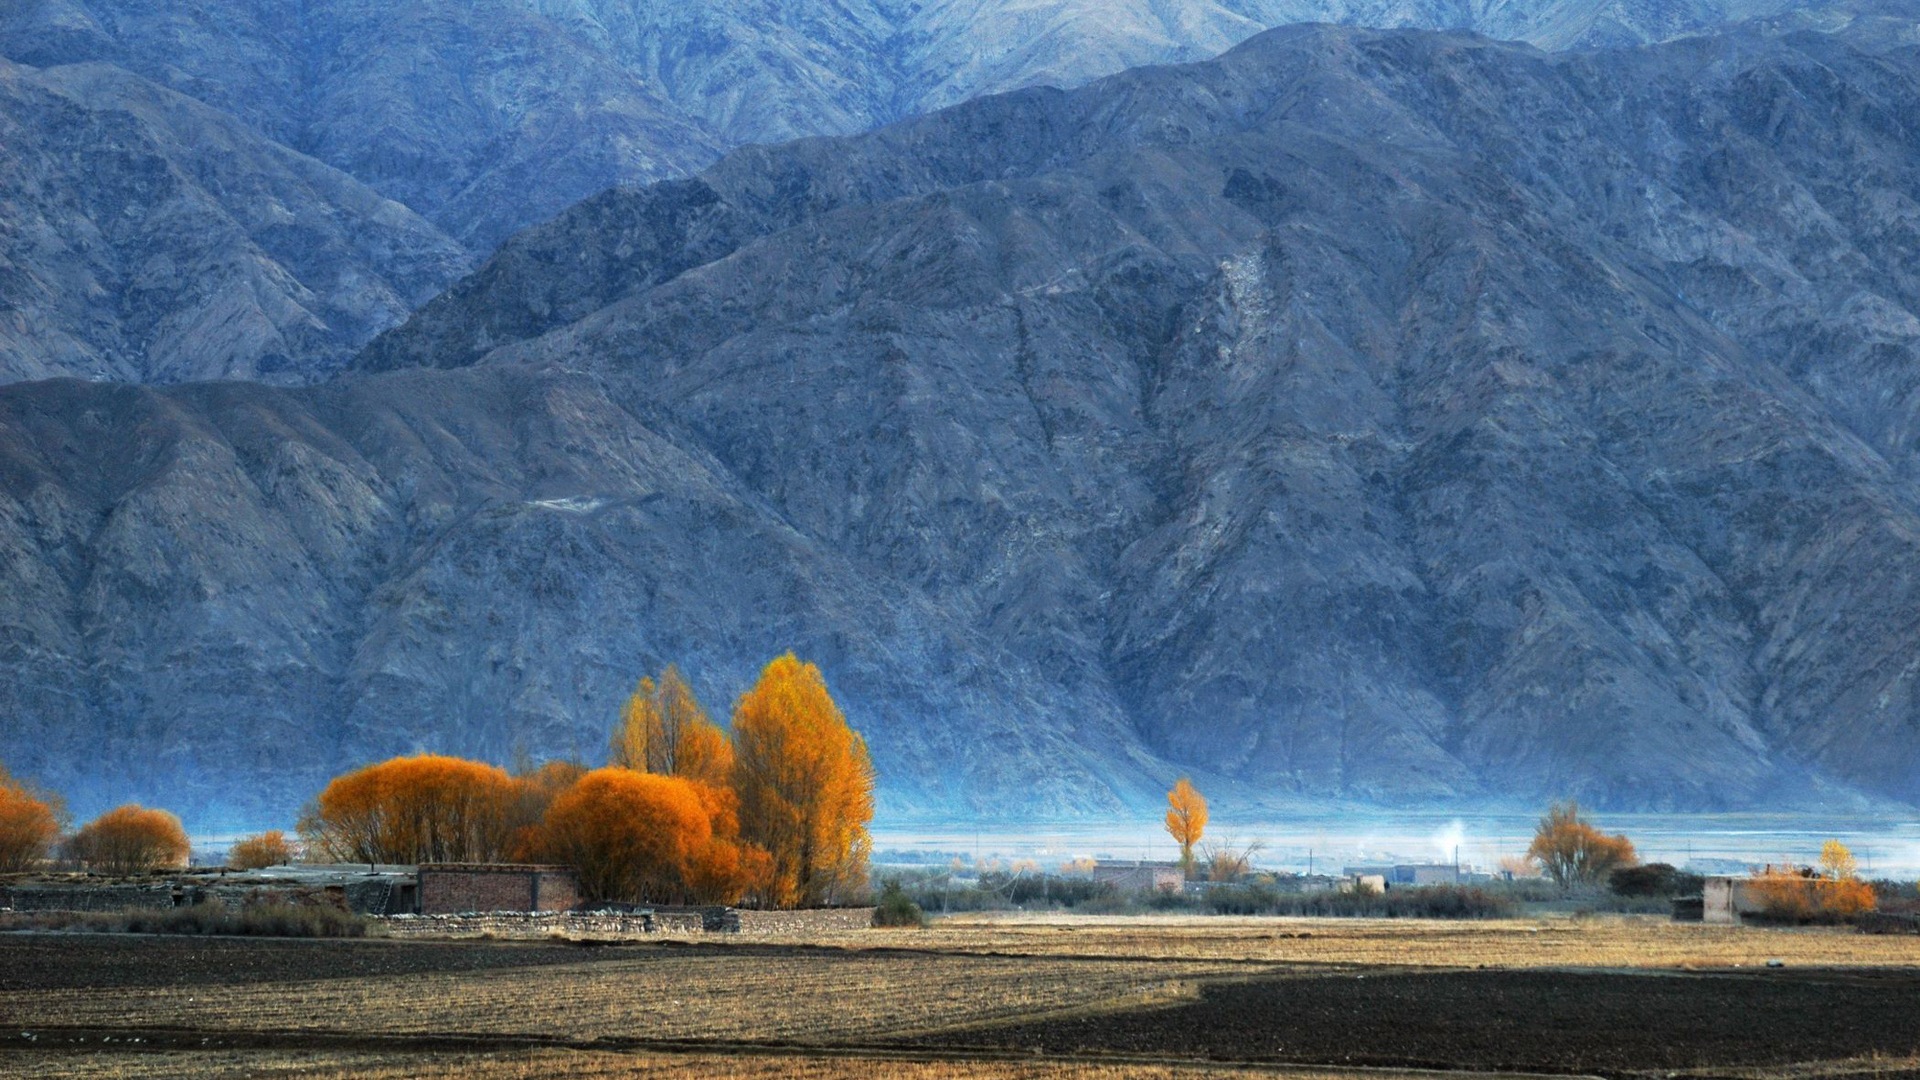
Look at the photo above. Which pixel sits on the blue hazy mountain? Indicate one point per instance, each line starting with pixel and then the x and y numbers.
pixel 1397 416
pixel 482 118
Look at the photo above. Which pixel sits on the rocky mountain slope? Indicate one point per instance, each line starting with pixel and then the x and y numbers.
pixel 484 118
pixel 149 238
pixel 1393 416
pixel 488 117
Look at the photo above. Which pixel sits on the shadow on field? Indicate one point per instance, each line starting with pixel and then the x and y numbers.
pixel 1509 1020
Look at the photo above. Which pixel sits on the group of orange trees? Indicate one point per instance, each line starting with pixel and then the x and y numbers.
pixel 775 812
pixel 125 840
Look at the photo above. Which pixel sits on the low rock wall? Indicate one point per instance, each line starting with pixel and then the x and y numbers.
pixel 1880 922
pixel 87 897
pixel 811 921
pixel 625 926
pixel 526 925
pixel 371 898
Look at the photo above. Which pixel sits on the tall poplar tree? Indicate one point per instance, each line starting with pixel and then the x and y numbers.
pixel 805 784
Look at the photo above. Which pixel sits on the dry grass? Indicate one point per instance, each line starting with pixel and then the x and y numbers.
pixel 964 971
pixel 1597 942
pixel 876 985
pixel 809 997
pixel 589 1065
pixel 1877 1065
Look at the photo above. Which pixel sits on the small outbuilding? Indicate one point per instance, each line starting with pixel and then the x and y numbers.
pixel 457 888
pixel 1725 899
pixel 1162 876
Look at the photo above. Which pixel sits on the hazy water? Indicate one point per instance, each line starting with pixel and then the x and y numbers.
pixel 1885 847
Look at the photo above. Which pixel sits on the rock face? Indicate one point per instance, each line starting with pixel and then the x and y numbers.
pixel 149 238
pixel 1395 416
pixel 219 595
pixel 483 118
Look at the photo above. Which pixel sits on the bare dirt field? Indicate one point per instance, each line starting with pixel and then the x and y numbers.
pixel 981 997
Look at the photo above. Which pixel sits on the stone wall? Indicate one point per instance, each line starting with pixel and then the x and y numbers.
pixel 372 897
pixel 88 897
pixel 518 925
pixel 627 925
pixel 811 921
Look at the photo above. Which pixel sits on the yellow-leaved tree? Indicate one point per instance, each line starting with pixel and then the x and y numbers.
pixel 1186 820
pixel 638 837
pixel 426 808
pixel 29 824
pixel 130 839
pixel 805 785
pixel 1572 852
pixel 664 730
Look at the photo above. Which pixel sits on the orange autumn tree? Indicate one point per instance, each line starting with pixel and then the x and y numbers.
pixel 419 809
pixel 1572 852
pixel 1186 820
pixel 805 785
pixel 664 730
pixel 641 837
pixel 1831 891
pixel 130 839
pixel 271 848
pixel 29 824
pixel 536 787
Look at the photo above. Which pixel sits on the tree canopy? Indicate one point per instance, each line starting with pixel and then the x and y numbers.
pixel 805 785
pixel 130 839
pixel 30 824
pixel 1572 852
pixel 1186 820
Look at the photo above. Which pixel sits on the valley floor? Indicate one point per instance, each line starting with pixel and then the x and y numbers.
pixel 986 997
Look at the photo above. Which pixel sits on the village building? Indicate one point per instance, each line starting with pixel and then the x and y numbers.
pixel 1138 875
pixel 1726 900
pixel 458 888
pixel 1401 875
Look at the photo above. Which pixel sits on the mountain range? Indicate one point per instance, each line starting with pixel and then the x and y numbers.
pixel 1394 416
pixel 483 118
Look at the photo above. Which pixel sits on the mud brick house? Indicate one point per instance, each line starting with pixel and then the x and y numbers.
pixel 1727 900
pixel 456 888
pixel 1164 876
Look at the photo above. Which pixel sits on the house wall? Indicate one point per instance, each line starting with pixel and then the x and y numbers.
pixel 1724 900
pixel 1139 876
pixel 452 890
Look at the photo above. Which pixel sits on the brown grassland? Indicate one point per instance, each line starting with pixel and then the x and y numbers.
pixel 988 997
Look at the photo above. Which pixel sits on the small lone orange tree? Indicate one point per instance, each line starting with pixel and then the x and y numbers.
pixel 1572 852
pixel 130 840
pixel 417 809
pixel 1186 820
pixel 637 836
pixel 271 848
pixel 664 730
pixel 805 785
pixel 29 824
